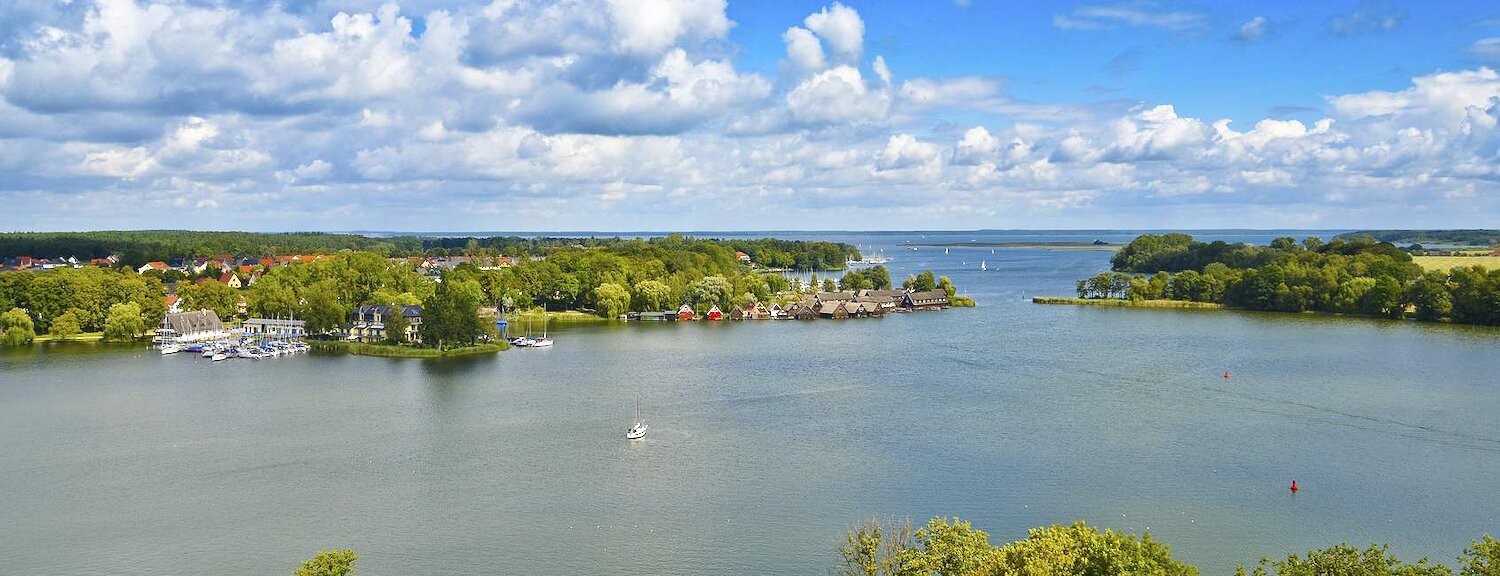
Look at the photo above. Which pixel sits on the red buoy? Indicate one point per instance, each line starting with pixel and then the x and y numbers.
pixel 1294 486
pixel 1226 375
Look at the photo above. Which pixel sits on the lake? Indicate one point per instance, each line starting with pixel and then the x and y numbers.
pixel 768 439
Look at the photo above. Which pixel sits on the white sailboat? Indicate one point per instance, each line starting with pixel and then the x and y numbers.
pixel 982 266
pixel 544 341
pixel 637 431
pixel 945 250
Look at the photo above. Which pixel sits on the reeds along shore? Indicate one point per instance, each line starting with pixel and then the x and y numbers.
pixel 1127 303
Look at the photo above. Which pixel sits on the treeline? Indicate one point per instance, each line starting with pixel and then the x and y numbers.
pixel 1456 237
pixel 67 301
pixel 137 247
pixel 955 548
pixel 1355 276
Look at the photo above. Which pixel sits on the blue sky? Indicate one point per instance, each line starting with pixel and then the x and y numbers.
pixel 755 114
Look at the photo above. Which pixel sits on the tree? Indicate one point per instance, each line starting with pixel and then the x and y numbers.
pixel 66 325
pixel 1481 558
pixel 922 282
pixel 123 323
pixel 329 563
pixel 451 315
pixel 612 299
pixel 947 286
pixel 16 328
pixel 1346 560
pixel 951 549
pixel 1082 549
pixel 396 325
pixel 321 308
pixel 829 286
pixel 211 295
pixel 876 549
pixel 710 291
pixel 653 295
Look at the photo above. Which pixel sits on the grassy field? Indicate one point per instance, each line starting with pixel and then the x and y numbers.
pixel 389 351
pixel 1445 263
pixel 1128 303
pixel 561 317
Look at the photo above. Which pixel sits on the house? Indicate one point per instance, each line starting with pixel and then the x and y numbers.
pixel 174 303
pixel 274 328
pixel 833 309
pixel 685 312
pixel 230 280
pixel 821 297
pixel 750 311
pixel 743 257
pixel 714 313
pixel 246 269
pixel 739 313
pixel 806 313
pixel 368 323
pixel 156 265
pixel 197 325
pixel 930 299
pixel 884 300
pixel 777 312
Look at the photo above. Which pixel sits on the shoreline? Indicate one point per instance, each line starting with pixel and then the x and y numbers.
pixel 1173 304
pixel 393 351
pixel 1081 246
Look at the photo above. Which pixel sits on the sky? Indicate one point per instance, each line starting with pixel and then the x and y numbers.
pixel 629 115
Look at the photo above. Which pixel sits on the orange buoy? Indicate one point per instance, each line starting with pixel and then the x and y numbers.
pixel 1294 486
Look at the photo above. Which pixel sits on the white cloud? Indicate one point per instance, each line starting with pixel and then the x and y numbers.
pixel 841 27
pixel 803 50
pixel 1252 30
pixel 652 26
pixel 315 170
pixel 976 146
pixel 1487 49
pixel 837 95
pixel 881 70
pixel 1097 17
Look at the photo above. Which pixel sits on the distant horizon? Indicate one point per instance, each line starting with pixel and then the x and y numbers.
pixel 685 232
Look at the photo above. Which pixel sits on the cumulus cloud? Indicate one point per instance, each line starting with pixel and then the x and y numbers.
pixel 633 113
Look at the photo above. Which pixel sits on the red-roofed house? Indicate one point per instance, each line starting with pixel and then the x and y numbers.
pixel 153 265
pixel 230 280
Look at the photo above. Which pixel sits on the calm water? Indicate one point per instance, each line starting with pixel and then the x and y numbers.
pixel 767 439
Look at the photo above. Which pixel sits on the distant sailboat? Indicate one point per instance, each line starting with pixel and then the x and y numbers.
pixel 982 266
pixel 544 341
pixel 945 250
pixel 637 431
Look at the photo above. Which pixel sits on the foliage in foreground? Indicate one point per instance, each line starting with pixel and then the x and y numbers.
pixel 955 548
pixel 329 563
pixel 16 328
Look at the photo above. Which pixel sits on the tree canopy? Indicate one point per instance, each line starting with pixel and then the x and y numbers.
pixel 329 563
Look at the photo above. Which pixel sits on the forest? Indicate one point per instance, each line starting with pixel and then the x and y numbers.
pixel 1359 275
pixel 136 247
pixel 1455 237
pixel 605 277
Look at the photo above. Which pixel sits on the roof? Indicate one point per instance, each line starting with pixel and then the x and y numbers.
pixel 276 322
pixel 929 295
pixel 835 296
pixel 193 322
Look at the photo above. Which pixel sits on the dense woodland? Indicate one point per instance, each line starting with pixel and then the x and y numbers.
pixel 1455 237
pixel 608 278
pixel 137 247
pixel 1359 275
pixel 956 548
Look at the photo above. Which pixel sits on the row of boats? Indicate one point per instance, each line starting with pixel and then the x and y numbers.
pixel 224 350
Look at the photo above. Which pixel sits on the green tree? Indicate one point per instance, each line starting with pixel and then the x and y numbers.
pixel 1081 549
pixel 396 325
pixel 329 563
pixel 1481 558
pixel 947 286
pixel 653 295
pixel 877 549
pixel 950 549
pixel 1346 560
pixel 123 323
pixel 16 328
pixel 612 299
pixel 710 291
pixel 66 325
pixel 450 317
pixel 829 286
pixel 321 309
pixel 923 282
pixel 211 295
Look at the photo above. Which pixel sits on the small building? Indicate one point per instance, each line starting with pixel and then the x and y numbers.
pixel 806 313
pixel 174 303
pixel 832 309
pixel 776 312
pixel 193 326
pixel 821 297
pixel 715 314
pixel 274 328
pixel 368 323
pixel 231 280
pixel 743 257
pixel 930 299
pixel 685 312
pixel 156 265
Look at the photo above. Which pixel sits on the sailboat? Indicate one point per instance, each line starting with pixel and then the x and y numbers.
pixel 982 266
pixel 637 431
pixel 544 341
pixel 945 250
